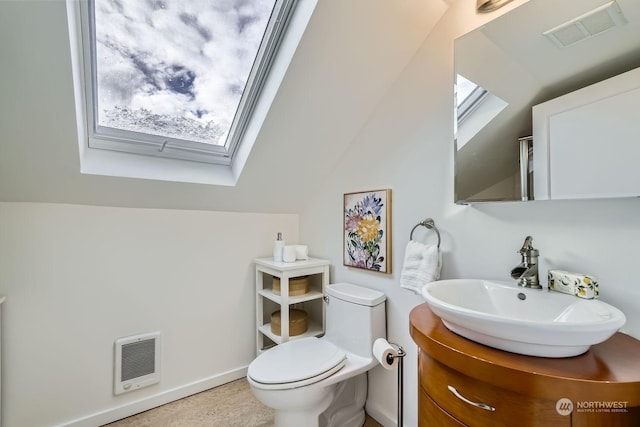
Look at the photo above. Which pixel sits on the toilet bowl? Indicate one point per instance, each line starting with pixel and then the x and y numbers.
pixel 313 381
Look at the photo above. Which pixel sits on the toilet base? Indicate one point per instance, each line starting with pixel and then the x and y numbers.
pixel 337 405
pixel 347 407
pixel 298 407
pixel 303 418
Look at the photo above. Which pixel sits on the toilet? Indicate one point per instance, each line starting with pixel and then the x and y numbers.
pixel 313 382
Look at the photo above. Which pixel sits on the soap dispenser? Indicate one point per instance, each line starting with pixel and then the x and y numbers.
pixel 278 248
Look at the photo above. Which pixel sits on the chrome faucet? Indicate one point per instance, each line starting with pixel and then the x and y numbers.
pixel 527 271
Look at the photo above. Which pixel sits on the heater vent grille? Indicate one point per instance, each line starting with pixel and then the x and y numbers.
pixel 587 25
pixel 137 362
pixel 138 359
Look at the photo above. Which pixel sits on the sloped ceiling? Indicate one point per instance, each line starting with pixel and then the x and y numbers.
pixel 348 58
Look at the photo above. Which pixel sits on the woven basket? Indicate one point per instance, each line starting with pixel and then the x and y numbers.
pixel 297 322
pixel 297 286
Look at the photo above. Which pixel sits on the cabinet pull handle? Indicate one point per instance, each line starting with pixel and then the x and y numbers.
pixel 465 400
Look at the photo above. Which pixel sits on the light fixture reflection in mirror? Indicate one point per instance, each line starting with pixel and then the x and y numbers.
pixel 485 6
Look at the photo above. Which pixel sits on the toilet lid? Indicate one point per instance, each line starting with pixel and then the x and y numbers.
pixel 295 361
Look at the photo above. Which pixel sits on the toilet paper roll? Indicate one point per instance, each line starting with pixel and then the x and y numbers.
pixel 385 353
pixel 302 252
pixel 289 253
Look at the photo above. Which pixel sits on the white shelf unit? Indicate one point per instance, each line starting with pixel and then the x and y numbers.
pixel 267 302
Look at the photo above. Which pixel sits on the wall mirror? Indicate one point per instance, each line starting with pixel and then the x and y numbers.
pixel 538 51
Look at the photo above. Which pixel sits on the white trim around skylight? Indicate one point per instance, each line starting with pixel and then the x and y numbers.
pixel 113 163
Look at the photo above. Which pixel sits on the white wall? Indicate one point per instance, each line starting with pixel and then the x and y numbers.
pixel 407 146
pixel 78 277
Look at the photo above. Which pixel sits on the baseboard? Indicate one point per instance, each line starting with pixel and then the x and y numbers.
pixel 150 402
pixel 382 417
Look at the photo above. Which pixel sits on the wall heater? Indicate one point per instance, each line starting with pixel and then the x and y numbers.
pixel 137 362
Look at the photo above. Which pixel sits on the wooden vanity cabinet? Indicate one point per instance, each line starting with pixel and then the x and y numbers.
pixel 602 385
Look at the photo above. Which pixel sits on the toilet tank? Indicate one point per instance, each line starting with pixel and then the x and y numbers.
pixel 355 317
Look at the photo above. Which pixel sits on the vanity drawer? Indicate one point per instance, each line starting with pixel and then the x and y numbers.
pixel 441 383
pixel 431 415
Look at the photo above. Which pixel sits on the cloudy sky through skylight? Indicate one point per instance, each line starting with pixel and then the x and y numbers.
pixel 176 67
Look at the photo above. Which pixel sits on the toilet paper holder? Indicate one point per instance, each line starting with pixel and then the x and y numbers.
pixel 400 356
pixel 390 359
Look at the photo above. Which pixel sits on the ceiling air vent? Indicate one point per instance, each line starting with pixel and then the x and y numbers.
pixel 584 26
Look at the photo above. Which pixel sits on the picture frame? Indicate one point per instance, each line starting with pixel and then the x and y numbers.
pixel 367 230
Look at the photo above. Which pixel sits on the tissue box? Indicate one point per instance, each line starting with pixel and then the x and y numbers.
pixel 580 285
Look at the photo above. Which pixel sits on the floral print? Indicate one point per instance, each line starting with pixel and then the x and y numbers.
pixel 364 235
pixel 368 228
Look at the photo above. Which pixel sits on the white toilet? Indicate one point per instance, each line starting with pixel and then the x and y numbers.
pixel 314 382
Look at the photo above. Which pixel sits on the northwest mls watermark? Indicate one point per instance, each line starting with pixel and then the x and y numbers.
pixel 565 406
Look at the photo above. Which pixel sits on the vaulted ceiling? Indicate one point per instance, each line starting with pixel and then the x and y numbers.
pixel 350 56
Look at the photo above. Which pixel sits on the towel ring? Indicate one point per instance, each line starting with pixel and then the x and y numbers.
pixel 428 223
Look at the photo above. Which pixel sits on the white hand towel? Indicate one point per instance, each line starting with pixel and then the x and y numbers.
pixel 422 265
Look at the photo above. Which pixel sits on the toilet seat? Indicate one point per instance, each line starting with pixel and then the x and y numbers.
pixel 296 363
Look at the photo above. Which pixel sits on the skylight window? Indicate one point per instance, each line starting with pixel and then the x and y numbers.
pixel 475 108
pixel 177 78
pixel 469 96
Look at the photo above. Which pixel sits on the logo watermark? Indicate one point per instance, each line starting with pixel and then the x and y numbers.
pixel 565 406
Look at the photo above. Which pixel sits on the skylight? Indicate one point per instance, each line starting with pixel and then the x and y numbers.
pixel 475 108
pixel 468 96
pixel 176 78
pixel 175 68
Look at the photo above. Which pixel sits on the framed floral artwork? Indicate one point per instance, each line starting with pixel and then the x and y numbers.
pixel 367 230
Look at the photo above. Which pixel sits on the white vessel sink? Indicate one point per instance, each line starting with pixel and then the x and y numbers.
pixel 520 320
